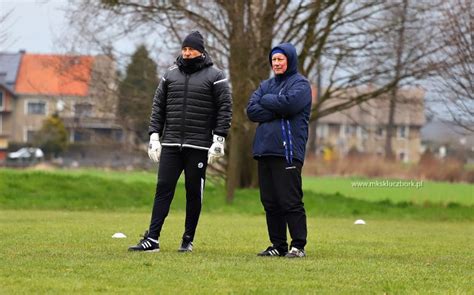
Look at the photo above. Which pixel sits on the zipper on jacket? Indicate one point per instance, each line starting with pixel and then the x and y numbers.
pixel 183 115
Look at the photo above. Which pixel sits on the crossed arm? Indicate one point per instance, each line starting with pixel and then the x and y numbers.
pixel 255 111
pixel 267 107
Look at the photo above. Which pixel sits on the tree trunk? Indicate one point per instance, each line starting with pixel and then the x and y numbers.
pixel 313 125
pixel 312 139
pixel 400 47
pixel 239 149
pixel 248 66
pixel 390 126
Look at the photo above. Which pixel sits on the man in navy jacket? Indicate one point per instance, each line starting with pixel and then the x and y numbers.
pixel 282 106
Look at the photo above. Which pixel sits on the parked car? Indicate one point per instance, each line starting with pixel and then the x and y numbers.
pixel 26 154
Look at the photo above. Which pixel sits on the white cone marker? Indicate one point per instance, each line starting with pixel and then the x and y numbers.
pixel 119 236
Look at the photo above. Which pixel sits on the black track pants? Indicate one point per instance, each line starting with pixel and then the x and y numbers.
pixel 173 161
pixel 282 197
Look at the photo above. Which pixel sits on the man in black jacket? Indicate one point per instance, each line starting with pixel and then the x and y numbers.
pixel 190 119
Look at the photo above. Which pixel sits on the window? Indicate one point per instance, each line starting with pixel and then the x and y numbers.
pixel 341 131
pixel 322 130
pixel 36 108
pixel 81 136
pixel 83 110
pixel 403 131
pixel 118 135
pixel 31 135
pixel 380 131
pixel 1 100
pixel 349 130
pixel 346 130
pixel 361 132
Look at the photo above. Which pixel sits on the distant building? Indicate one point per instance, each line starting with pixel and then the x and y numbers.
pixel 362 128
pixel 9 65
pixel 78 88
pixel 446 139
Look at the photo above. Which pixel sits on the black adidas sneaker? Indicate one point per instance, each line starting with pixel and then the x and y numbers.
pixel 272 251
pixel 146 244
pixel 186 245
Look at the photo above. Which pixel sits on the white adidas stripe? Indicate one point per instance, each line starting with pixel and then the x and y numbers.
pixel 153 240
pixel 220 81
pixel 202 189
pixel 274 252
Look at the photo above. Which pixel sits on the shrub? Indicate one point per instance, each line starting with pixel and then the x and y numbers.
pixel 429 167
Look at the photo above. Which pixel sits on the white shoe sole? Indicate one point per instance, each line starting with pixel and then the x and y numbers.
pixel 151 251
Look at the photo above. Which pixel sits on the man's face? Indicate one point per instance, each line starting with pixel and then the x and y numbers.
pixel 279 63
pixel 189 52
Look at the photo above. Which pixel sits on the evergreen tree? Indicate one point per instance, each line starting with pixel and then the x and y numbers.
pixel 52 138
pixel 136 92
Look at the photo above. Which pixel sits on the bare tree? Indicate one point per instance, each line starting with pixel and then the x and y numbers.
pixel 5 38
pixel 239 36
pixel 409 43
pixel 455 82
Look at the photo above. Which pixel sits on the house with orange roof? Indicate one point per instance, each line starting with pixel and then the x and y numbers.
pixel 80 89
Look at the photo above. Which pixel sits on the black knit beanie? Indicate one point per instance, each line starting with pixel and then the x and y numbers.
pixel 195 41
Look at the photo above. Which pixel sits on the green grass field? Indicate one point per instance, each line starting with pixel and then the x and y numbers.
pixel 65 252
pixel 56 230
pixel 133 191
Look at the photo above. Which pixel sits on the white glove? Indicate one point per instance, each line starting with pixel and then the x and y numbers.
pixel 216 150
pixel 154 148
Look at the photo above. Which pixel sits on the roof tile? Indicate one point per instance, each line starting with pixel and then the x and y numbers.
pixel 54 74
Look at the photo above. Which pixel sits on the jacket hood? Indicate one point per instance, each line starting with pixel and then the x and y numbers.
pixel 290 52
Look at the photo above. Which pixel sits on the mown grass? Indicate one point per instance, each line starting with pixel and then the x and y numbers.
pixel 56 230
pixel 431 191
pixel 133 191
pixel 67 252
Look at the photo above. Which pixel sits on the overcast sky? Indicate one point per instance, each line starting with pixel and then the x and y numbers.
pixel 33 25
pixel 37 26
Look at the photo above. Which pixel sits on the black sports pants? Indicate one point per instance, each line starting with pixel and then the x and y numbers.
pixel 282 197
pixel 173 161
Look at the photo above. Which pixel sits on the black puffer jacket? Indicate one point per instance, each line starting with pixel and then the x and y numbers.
pixel 192 102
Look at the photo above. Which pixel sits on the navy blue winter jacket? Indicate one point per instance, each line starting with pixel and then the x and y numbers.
pixel 278 102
